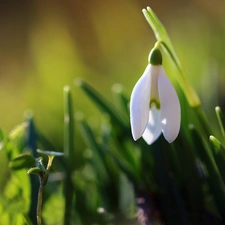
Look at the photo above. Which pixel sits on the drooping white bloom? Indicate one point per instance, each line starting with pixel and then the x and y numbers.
pixel 154 106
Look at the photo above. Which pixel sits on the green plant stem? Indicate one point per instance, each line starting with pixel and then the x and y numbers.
pixel 68 128
pixel 68 199
pixel 39 204
pixel 220 120
pixel 69 153
pixel 190 93
pixel 163 40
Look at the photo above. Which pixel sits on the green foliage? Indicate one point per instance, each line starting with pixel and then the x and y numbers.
pixel 23 161
pixel 34 170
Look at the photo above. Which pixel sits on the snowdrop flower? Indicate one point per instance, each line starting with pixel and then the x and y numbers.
pixel 154 104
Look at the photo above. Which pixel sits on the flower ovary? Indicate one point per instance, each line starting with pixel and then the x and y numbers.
pixel 155 57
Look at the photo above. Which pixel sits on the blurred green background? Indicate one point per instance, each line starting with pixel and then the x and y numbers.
pixel 45 45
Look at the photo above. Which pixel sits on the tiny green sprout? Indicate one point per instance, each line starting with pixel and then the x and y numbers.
pixel 43 174
pixel 51 155
pixel 220 119
pixel 215 144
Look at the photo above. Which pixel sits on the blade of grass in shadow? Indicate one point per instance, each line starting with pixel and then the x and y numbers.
pixel 120 147
pixel 219 155
pixel 173 210
pixel 122 129
pixel 68 128
pixel 103 164
pixel 23 161
pixel 122 100
pixel 215 180
pixel 31 136
pixel 220 119
pixel 125 168
pixel 112 137
pixel 104 105
pixel 99 156
pixel 69 154
pixel 179 201
pixel 84 215
pixel 31 144
pixel 189 179
pixel 97 153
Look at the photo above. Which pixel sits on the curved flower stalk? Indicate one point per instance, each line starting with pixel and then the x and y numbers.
pixel 154 104
pixel 164 40
pixel 166 45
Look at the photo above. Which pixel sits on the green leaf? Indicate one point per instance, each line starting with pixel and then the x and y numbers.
pixel 165 43
pixel 98 157
pixel 68 127
pixel 31 146
pixel 184 163
pixel 18 130
pixel 50 153
pixel 125 168
pixel 219 155
pixel 69 153
pixel 215 180
pixel 126 195
pixel 220 119
pixel 34 170
pixel 171 202
pixel 121 99
pixel 56 199
pixel 15 196
pixel 23 161
pixel 31 136
pixel 104 105
pixel 159 31
pixel 13 142
pixel 27 220
pixel 155 23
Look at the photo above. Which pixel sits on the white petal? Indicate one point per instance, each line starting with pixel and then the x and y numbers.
pixel 170 108
pixel 139 104
pixel 154 128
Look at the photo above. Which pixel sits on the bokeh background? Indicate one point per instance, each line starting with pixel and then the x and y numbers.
pixel 45 45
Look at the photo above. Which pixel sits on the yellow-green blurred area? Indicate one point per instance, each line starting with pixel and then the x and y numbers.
pixel 45 45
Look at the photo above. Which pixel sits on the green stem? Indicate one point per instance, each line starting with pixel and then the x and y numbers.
pixel 220 120
pixel 189 92
pixel 68 128
pixel 68 199
pixel 163 40
pixel 69 153
pixel 39 204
